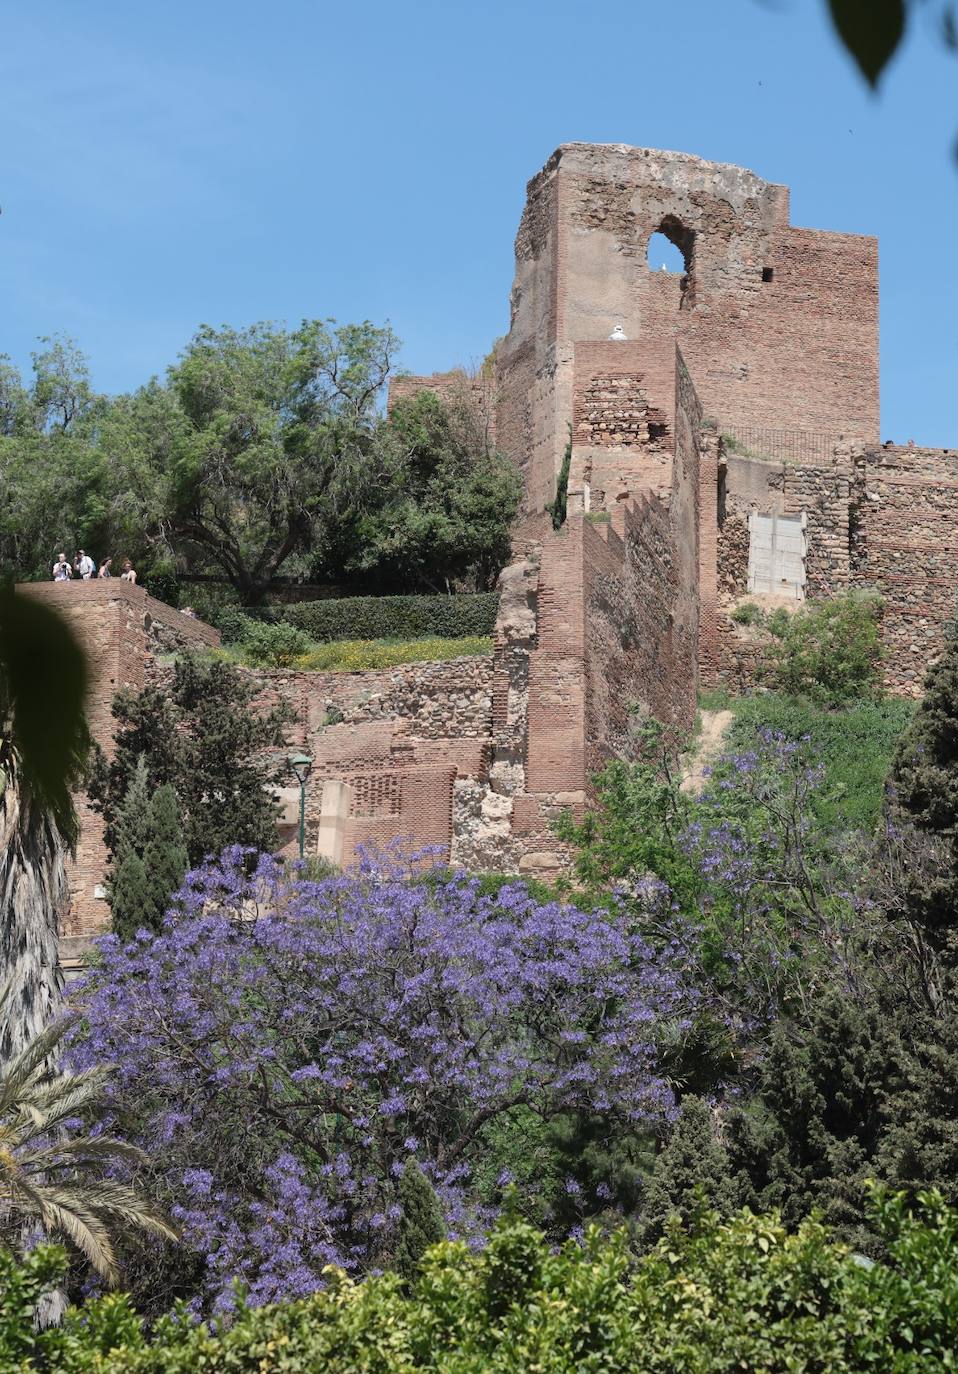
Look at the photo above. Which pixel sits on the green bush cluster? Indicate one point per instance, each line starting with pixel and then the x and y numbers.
pixel 273 646
pixel 829 652
pixel 741 1294
pixel 748 613
pixel 393 617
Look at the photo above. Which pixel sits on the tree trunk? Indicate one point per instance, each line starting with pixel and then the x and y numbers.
pixel 33 893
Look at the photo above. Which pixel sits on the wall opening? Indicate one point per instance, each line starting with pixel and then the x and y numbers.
pixel 671 250
pixel 664 256
pixel 768 274
pixel 721 501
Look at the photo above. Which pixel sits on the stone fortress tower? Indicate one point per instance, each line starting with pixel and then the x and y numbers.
pixel 714 436
pixel 777 326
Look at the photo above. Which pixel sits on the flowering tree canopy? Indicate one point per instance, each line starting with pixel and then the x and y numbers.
pixel 284 1047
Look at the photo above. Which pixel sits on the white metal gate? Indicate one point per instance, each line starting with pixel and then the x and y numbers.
pixel 776 554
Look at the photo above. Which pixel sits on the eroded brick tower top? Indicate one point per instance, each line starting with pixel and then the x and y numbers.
pixel 778 325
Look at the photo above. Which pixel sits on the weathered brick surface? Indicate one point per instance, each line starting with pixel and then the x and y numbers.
pixel 121 628
pixel 904 545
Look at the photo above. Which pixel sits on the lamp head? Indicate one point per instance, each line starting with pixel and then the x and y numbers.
pixel 301 765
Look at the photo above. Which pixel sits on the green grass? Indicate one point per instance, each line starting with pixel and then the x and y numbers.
pixel 856 744
pixel 355 655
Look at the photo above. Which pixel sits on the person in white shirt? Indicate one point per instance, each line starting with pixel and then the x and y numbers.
pixel 85 566
pixel 62 572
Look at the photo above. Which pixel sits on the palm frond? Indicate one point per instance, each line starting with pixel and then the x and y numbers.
pixel 79 1150
pixel 87 1232
pixel 108 1197
pixel 31 1061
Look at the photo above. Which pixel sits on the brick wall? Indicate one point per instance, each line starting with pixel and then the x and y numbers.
pixel 121 628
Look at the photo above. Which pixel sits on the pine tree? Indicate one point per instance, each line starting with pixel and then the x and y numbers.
pixel 421 1223
pixel 201 737
pixel 691 1171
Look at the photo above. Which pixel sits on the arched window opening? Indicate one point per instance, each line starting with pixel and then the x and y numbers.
pixel 672 249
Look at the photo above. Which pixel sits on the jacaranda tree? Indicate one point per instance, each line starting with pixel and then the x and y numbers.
pixel 286 1047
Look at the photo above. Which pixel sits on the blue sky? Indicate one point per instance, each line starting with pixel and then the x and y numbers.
pixel 167 165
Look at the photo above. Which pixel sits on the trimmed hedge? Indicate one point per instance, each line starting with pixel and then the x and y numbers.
pixel 393 617
pixel 737 1295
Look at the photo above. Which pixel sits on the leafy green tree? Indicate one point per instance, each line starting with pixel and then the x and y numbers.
pixel 201 738
pixel 56 482
pixel 256 446
pixel 830 651
pixel 440 513
pixel 421 1224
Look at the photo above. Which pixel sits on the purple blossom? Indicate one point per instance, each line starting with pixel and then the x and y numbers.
pixel 283 1048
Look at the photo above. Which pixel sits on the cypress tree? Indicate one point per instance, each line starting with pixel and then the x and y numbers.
pixel 421 1223
pixel 129 895
pixel 150 858
pixel 925 775
pixel 692 1170
pixel 164 855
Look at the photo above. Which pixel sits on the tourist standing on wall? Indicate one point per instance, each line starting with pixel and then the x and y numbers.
pixel 62 572
pixel 106 568
pixel 85 566
pixel 129 572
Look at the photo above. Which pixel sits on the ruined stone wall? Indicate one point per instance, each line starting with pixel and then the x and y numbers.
pixel 878 518
pixel 820 491
pixel 623 399
pixel 397 737
pixel 778 325
pixel 533 394
pixel 904 546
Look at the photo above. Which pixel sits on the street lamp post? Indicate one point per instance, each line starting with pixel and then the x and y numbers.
pixel 301 765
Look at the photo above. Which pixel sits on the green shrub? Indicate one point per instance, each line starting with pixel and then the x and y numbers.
pixel 274 646
pixel 357 655
pixel 855 745
pixel 742 1294
pixel 748 613
pixel 233 624
pixel 829 652
pixel 393 617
